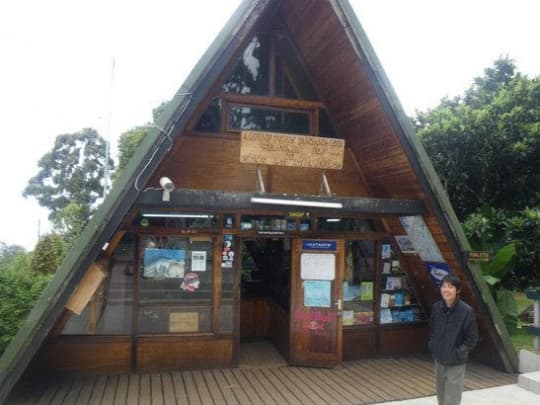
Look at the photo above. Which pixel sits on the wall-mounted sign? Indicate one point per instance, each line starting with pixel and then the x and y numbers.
pixel 317 266
pixel 319 245
pixel 437 271
pixel 269 148
pixel 183 322
pixel 476 256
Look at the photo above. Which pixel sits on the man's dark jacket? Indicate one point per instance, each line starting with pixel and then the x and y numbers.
pixel 453 332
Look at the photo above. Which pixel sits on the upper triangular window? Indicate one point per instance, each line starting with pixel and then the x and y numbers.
pixel 270 66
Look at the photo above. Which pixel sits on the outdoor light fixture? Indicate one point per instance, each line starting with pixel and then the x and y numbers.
pixel 333 219
pixel 174 215
pixel 299 203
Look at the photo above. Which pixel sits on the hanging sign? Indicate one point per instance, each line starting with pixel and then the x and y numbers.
pixel 269 148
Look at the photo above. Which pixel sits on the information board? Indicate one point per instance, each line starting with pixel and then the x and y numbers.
pixel 317 266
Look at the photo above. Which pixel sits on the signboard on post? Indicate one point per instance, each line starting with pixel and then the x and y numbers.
pixel 269 148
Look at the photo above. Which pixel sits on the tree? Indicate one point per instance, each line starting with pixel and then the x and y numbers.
pixel 69 222
pixel 131 139
pixel 72 172
pixel 48 255
pixel 485 145
pixel 10 254
pixel 128 144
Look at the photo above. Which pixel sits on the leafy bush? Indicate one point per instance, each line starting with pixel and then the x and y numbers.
pixel 19 289
pixel 48 255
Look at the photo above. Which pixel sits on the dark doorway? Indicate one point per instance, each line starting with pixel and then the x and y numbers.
pixel 264 300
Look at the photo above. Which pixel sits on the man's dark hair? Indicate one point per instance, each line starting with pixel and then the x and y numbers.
pixel 451 279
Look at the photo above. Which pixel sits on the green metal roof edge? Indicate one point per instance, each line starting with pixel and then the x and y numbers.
pixel 433 181
pixel 85 244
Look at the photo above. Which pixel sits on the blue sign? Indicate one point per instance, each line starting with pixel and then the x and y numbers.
pixel 437 271
pixel 319 245
pixel 317 293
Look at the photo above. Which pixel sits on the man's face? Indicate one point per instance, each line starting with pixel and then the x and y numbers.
pixel 448 293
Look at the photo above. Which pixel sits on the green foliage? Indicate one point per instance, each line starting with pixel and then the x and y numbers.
pixel 508 309
pixel 501 265
pixel 524 229
pixel 130 140
pixel 72 172
pixel 19 289
pixel 48 255
pixel 10 254
pixel 127 145
pixel 18 292
pixel 485 145
pixel 69 222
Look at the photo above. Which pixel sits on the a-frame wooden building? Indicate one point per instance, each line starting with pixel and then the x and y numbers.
pixel 284 196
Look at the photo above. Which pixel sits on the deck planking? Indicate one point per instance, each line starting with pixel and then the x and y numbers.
pixel 357 382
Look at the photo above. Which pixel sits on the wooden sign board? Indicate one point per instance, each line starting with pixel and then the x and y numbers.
pixel 269 148
pixel 183 322
pixel 86 288
pixel 476 256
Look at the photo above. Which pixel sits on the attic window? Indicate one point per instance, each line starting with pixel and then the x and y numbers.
pixel 267 119
pixel 250 75
pixel 211 119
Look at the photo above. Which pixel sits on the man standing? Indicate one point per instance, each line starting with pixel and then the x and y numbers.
pixel 453 334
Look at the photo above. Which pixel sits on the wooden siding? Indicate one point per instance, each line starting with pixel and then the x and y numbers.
pixel 358 382
pixel 90 354
pixel 172 352
pixel 213 163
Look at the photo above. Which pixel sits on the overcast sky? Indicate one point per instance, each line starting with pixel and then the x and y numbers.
pixel 56 63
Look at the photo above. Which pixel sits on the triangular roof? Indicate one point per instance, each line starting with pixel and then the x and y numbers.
pixel 336 17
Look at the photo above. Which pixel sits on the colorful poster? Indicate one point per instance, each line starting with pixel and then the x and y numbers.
pixel 164 263
pixel 421 238
pixel 227 254
pixel 317 293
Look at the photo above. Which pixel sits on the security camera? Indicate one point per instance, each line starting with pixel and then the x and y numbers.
pixel 167 185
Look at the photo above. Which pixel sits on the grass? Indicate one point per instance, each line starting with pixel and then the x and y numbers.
pixel 520 339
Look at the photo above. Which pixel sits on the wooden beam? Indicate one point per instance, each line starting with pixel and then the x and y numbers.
pixel 213 200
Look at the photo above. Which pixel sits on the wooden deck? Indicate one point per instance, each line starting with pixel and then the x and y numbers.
pixel 358 382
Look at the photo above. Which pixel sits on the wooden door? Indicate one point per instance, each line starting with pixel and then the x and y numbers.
pixel 316 302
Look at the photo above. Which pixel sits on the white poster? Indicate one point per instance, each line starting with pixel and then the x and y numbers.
pixel 198 260
pixel 317 266
pixel 421 238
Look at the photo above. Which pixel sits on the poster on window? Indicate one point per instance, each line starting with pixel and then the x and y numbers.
pixel 164 263
pixel 198 260
pixel 421 238
pixel 317 293
pixel 227 253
